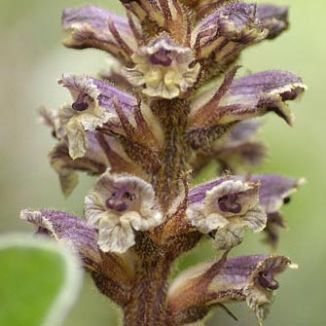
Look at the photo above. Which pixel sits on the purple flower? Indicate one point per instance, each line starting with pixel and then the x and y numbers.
pixel 69 229
pixel 248 278
pixel 228 209
pixel 93 27
pixel 118 205
pixel 164 69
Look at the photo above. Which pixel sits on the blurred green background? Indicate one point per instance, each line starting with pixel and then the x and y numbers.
pixel 32 59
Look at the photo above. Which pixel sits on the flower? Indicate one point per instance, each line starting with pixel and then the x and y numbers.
pixel 93 106
pixel 67 228
pixel 228 208
pixel 163 68
pixel 238 150
pixel 261 286
pixel 119 205
pixel 246 278
pixel 246 98
pixel 94 162
pixel 94 27
pixel 227 30
pixel 275 191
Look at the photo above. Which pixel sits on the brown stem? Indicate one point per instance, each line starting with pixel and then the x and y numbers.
pixel 147 306
pixel 173 115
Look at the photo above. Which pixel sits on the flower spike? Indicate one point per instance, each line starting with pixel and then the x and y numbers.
pixel 170 104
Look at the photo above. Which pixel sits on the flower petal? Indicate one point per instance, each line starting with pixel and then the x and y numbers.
pixel 229 236
pixel 239 148
pixel 94 27
pixel 117 237
pixel 68 228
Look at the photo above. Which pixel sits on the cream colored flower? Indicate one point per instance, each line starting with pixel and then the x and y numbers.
pixel 163 68
pixel 85 114
pixel 228 208
pixel 120 205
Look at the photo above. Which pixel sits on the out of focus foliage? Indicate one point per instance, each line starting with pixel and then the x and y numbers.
pixel 39 281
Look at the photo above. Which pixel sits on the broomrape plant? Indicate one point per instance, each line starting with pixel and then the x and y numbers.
pixel 171 103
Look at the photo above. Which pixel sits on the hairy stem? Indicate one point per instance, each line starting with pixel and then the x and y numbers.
pixel 147 306
pixel 173 116
pixel 148 303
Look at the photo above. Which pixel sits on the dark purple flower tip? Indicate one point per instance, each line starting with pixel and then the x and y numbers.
pixel 273 189
pixel 198 193
pixel 258 273
pixel 266 271
pixel 275 221
pixel 273 18
pixel 68 229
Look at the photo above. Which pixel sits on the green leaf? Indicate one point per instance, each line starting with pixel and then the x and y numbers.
pixel 39 281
